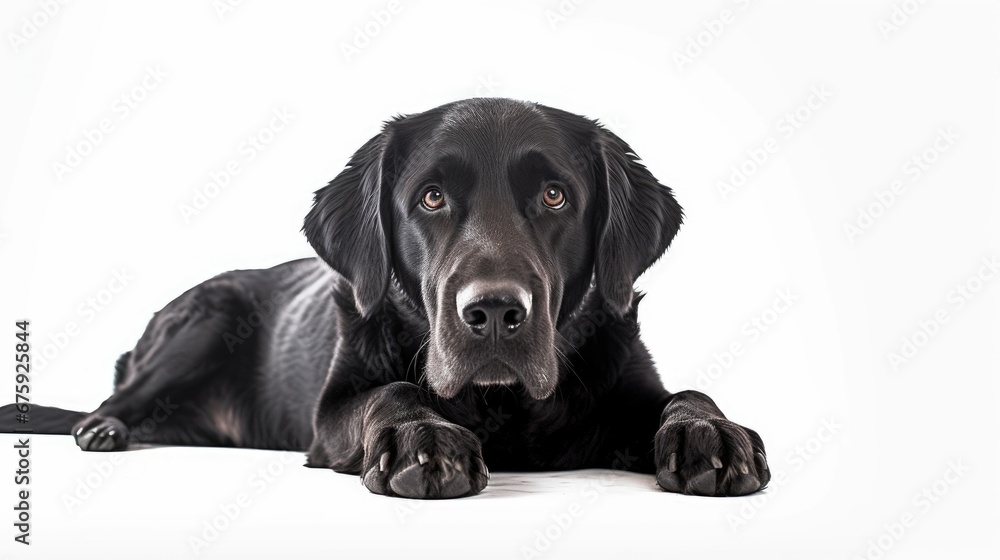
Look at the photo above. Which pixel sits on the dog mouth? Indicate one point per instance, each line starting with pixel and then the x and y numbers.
pixel 495 372
pixel 449 373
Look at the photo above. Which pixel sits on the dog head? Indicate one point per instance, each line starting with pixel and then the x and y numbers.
pixel 497 217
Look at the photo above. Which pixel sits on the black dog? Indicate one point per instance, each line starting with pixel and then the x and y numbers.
pixel 473 306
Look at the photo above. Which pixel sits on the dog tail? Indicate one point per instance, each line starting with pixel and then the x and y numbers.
pixel 38 420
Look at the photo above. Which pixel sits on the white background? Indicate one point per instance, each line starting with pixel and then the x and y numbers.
pixel 853 439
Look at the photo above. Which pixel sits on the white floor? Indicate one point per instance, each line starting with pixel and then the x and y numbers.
pixel 226 503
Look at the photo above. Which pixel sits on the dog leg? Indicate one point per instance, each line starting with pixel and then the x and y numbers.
pixel 182 346
pixel 399 444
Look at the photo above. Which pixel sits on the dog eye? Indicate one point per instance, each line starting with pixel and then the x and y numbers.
pixel 554 197
pixel 433 199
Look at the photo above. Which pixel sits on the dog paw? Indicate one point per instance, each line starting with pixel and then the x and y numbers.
pixel 101 433
pixel 424 460
pixel 710 457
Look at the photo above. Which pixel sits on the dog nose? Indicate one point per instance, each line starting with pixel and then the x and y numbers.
pixel 500 316
pixel 495 311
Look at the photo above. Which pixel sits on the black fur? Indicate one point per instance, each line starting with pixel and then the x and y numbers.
pixel 428 343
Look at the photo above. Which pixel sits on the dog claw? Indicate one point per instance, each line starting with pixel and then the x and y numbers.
pixel 744 469
pixel 422 458
pixel 383 462
pixel 482 467
pixel 672 463
pixel 762 460
pixel 717 463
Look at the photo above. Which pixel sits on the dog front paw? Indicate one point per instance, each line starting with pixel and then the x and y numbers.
pixel 710 457
pixel 424 460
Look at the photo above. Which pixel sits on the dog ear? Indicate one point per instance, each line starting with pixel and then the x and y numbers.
pixel 348 225
pixel 638 219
